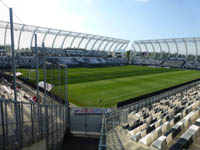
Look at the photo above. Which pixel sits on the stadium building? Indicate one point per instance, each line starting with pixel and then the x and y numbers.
pixel 166 118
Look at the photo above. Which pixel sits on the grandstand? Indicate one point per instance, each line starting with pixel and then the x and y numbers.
pixel 171 123
pixel 76 61
pixel 175 53
pixel 62 47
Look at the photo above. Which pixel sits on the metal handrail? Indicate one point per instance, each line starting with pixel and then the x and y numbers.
pixel 102 144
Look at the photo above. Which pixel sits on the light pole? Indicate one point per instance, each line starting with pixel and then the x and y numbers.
pixel 14 75
pixel 37 75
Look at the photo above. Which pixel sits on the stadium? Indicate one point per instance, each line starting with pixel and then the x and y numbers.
pixel 62 89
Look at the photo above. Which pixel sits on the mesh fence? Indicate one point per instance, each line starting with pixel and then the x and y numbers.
pixel 22 124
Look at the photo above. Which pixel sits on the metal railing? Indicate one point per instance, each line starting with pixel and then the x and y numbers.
pixel 35 122
pixel 102 139
pixel 109 122
pixel 144 102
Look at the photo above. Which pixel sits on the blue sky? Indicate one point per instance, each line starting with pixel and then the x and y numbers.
pixel 140 19
pixel 127 19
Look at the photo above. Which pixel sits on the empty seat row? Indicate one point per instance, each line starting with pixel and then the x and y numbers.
pixel 150 138
pixel 176 129
pixel 187 138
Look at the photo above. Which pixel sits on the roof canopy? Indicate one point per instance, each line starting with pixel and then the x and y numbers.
pixel 54 38
pixel 178 46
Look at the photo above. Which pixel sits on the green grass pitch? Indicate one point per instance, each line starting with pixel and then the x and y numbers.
pixel 104 87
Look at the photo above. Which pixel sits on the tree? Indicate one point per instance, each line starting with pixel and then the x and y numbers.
pixel 128 55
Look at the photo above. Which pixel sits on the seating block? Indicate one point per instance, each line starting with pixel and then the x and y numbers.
pixel 165 127
pixel 171 123
pixel 159 143
pixel 136 137
pixel 157 124
pixel 144 126
pixel 169 138
pixel 147 140
pixel 154 135
pixel 188 137
pixel 159 130
pixel 144 133
pixel 194 130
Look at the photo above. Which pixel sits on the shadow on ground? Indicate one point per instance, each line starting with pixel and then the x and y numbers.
pixel 75 142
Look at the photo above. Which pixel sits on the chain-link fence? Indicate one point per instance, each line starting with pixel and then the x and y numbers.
pixel 22 124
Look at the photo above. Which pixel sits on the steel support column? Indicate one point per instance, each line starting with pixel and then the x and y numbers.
pixel 55 38
pixel 20 33
pixel 125 47
pixel 195 42
pixel 101 44
pixel 107 44
pixel 92 38
pixel 33 36
pixel 169 51
pixel 161 50
pixel 111 46
pixel 14 78
pixel 154 52
pixel 63 42
pixel 95 43
pixel 45 35
pixel 133 46
pixel 139 46
pixel 121 46
pixel 79 44
pixel 186 49
pixel 146 48
pixel 117 46
pixel 176 47
pixel 71 44
pixel 37 72
pixel 6 34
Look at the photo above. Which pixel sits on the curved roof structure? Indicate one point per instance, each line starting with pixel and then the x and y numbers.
pixel 182 46
pixel 54 38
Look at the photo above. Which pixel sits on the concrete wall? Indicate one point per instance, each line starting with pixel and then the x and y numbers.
pixel 41 145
